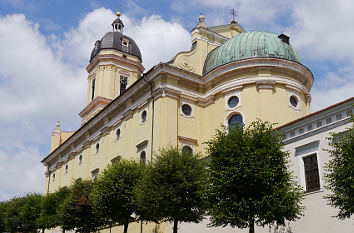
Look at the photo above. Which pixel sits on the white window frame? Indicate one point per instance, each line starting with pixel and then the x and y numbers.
pixel 147 115
pixel 228 96
pixel 298 106
pixel 182 102
pixel 120 134
pixel 226 122
pixel 302 170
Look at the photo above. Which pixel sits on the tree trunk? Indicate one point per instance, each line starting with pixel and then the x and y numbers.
pixel 175 226
pixel 126 227
pixel 251 226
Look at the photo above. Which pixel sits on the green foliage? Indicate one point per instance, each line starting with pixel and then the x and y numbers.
pixel 113 192
pixel 30 212
pixel 340 172
pixel 173 188
pixel 250 181
pixel 2 216
pixel 52 208
pixel 13 221
pixel 77 212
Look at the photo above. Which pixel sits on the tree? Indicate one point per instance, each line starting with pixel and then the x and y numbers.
pixel 77 212
pixel 13 221
pixel 52 208
pixel 250 182
pixel 30 212
pixel 113 192
pixel 173 188
pixel 2 216
pixel 340 172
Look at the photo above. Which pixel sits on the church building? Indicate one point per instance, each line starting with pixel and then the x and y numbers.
pixel 228 76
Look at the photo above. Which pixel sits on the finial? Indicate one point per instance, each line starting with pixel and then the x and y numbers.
pixel 118 24
pixel 58 124
pixel 233 15
pixel 201 22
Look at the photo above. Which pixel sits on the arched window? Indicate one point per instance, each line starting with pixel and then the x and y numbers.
pixel 80 160
pixel 187 149
pixel 97 147
pixel 93 84
pixel 143 157
pixel 235 121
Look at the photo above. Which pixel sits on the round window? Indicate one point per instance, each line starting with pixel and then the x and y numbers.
pixel 118 133
pixel 143 116
pixel 186 109
pixel 187 149
pixel 235 121
pixel 233 101
pixel 293 101
pixel 143 157
pixel 97 147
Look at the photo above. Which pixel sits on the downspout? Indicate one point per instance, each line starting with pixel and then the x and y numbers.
pixel 48 179
pixel 153 115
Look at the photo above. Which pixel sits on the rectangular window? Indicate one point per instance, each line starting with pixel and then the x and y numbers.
pixel 93 83
pixel 123 84
pixel 94 174
pixel 312 177
pixel 329 121
pixel 309 128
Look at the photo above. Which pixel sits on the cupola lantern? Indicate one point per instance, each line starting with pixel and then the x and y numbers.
pixel 118 24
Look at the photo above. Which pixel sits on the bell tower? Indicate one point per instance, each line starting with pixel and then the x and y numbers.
pixel 115 64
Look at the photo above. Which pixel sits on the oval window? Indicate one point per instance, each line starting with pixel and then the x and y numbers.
pixel 118 133
pixel 235 121
pixel 97 147
pixel 293 101
pixel 143 116
pixel 233 101
pixel 186 109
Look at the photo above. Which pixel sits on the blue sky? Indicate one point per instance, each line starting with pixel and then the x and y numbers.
pixel 45 46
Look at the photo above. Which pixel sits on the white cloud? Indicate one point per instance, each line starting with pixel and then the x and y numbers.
pixel 21 173
pixel 324 31
pixel 158 40
pixel 78 42
pixel 332 89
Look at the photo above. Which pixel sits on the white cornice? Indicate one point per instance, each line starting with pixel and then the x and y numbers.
pixel 83 137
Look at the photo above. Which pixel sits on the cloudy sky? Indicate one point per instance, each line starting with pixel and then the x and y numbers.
pixel 45 46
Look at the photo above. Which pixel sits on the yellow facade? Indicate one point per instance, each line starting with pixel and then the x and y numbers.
pixel 263 87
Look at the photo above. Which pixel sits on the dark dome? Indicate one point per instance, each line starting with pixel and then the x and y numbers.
pixel 114 40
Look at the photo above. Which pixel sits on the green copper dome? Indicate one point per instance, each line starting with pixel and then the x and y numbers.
pixel 251 45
